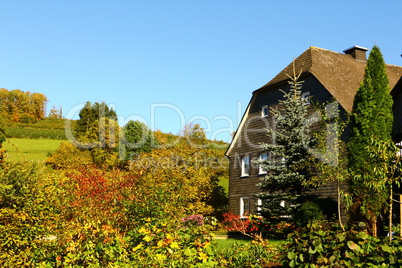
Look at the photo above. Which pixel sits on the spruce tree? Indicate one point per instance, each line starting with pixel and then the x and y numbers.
pixel 371 118
pixel 289 165
pixel 90 115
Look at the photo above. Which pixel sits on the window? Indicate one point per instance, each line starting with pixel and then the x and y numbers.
pixel 259 204
pixel 261 170
pixel 245 166
pixel 244 206
pixel 264 111
pixel 285 204
pixel 306 97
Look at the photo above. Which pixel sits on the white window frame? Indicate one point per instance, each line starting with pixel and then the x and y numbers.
pixel 264 111
pixel 306 97
pixel 284 204
pixel 259 204
pixel 245 166
pixel 244 200
pixel 261 170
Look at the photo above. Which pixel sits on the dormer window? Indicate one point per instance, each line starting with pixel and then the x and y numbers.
pixel 264 111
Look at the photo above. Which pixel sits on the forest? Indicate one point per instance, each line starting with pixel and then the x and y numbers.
pixel 22 107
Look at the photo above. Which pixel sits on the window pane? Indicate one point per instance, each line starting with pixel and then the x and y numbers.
pixel 306 97
pixel 244 206
pixel 245 166
pixel 263 156
pixel 264 111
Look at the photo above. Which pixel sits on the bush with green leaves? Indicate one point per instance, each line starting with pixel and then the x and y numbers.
pixel 309 212
pixel 27 214
pixel 324 245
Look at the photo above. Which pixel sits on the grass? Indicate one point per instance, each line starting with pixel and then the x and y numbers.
pixel 239 240
pixel 34 150
pixel 230 242
pixel 224 183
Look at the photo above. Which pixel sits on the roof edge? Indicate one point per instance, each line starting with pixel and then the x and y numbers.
pixel 239 127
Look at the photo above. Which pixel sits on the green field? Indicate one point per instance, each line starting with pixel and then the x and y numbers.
pixel 35 150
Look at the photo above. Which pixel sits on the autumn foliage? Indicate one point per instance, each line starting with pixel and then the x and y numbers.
pixel 19 106
pixel 96 193
pixel 234 223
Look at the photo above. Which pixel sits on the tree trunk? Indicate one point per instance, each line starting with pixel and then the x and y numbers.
pixel 374 226
pixel 400 216
pixel 339 204
pixel 390 214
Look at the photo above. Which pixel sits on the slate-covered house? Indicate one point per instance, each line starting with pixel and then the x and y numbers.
pixel 327 75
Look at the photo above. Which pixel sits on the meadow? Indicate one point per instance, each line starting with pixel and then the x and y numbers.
pixel 31 150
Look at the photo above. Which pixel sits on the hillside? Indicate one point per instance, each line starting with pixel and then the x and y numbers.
pixel 31 150
pixel 48 128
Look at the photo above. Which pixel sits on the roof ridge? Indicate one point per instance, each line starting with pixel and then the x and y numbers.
pixel 392 65
pixel 277 78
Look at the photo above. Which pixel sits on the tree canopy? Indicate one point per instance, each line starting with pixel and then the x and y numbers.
pixel 20 106
pixel 91 114
pixel 137 138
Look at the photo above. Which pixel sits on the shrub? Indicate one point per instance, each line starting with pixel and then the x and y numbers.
pixel 27 216
pixel 325 245
pixel 308 213
pixel 68 156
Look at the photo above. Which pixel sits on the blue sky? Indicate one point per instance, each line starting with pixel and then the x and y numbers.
pixel 170 63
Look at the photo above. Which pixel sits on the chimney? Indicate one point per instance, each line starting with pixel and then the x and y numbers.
pixel 357 52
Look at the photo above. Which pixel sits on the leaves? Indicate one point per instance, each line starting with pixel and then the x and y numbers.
pixel 353 246
pixel 20 106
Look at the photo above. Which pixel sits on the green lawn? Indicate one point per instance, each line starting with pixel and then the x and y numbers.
pixel 35 150
pixel 240 240
pixel 230 242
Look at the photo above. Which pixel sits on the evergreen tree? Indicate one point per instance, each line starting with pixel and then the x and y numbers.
pixel 98 131
pixel 290 164
pixel 90 116
pixel 371 118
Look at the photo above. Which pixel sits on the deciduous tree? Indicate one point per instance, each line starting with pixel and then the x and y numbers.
pixel 20 106
pixel 136 138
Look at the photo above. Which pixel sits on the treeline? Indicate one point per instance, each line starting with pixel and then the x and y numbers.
pixel 22 107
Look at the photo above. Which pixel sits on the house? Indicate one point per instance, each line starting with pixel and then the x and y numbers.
pixel 327 76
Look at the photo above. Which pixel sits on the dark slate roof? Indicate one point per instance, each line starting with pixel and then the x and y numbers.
pixel 339 73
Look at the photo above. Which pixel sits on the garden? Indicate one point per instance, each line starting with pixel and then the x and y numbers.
pixel 131 197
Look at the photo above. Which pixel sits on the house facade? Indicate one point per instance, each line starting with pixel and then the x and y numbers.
pixel 329 77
